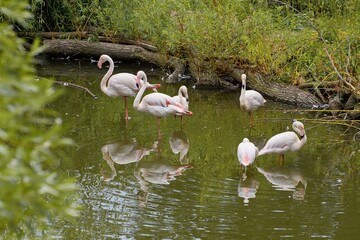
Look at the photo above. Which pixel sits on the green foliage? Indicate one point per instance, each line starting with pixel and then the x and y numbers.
pixel 282 38
pixel 65 15
pixel 31 195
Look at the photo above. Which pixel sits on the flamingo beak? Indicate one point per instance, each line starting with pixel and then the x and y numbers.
pixel 99 64
pixel 155 86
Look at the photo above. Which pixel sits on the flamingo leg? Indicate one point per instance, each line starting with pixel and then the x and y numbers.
pixel 250 119
pixel 244 176
pixel 126 109
pixel 281 160
pixel 158 127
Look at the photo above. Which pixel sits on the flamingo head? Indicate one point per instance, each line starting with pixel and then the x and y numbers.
pixel 102 59
pixel 184 92
pixel 298 127
pixel 243 78
pixel 139 76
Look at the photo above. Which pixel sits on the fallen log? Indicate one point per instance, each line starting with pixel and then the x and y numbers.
pixel 77 48
pixel 277 91
pixel 205 76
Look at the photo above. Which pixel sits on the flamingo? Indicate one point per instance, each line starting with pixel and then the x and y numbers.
pixel 121 84
pixel 157 104
pixel 182 98
pixel 286 141
pixel 246 153
pixel 250 100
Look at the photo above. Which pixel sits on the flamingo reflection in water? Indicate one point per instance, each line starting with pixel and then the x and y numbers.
pixel 286 179
pixel 179 143
pixel 123 153
pixel 158 171
pixel 247 189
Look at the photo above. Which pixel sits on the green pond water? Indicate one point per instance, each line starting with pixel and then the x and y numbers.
pixel 188 183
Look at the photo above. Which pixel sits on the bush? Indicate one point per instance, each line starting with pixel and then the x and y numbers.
pixel 32 196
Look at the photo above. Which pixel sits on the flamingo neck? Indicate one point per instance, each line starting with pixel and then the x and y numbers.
pixel 180 93
pixel 182 97
pixel 242 94
pixel 105 79
pixel 137 104
pixel 303 139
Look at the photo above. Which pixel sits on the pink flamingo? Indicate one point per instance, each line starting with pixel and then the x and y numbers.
pixel 246 153
pixel 286 141
pixel 182 98
pixel 121 84
pixel 250 100
pixel 157 104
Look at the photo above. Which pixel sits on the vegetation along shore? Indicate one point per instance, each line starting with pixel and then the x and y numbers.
pixel 301 53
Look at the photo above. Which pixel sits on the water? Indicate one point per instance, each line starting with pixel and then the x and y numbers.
pixel 133 185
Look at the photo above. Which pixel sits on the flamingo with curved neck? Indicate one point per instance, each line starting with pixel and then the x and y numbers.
pixel 286 141
pixel 121 84
pixel 182 98
pixel 157 104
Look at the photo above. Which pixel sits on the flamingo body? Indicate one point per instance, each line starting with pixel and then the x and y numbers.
pixel 121 85
pixel 253 100
pixel 286 141
pixel 160 105
pixel 247 152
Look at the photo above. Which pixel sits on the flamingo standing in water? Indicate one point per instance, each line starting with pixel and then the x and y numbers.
pixel 121 84
pixel 250 100
pixel 157 104
pixel 286 141
pixel 182 98
pixel 246 153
